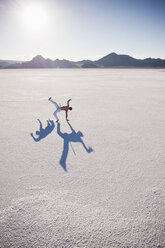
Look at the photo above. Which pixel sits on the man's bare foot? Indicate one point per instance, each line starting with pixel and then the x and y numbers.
pixel 67 120
pixel 57 121
pixel 49 98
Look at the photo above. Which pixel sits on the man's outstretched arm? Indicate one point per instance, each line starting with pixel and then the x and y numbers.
pixel 68 102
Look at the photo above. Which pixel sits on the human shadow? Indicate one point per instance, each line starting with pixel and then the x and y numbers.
pixel 43 132
pixel 68 138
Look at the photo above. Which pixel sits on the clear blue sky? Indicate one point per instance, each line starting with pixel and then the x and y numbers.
pixel 83 29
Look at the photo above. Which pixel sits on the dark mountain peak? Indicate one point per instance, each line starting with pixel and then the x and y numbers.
pixel 38 57
pixel 114 59
pixel 115 55
pixel 112 54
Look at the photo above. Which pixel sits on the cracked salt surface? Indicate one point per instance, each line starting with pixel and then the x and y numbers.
pixel 112 196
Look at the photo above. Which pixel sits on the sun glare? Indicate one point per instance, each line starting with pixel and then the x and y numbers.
pixel 34 17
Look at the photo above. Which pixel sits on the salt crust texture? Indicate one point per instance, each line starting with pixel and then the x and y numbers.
pixel 112 196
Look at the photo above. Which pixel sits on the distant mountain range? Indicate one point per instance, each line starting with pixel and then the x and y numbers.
pixel 4 63
pixel 109 61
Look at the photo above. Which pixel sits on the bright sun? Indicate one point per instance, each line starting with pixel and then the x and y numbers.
pixel 34 17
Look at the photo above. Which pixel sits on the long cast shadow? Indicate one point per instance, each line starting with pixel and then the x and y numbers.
pixel 43 132
pixel 68 138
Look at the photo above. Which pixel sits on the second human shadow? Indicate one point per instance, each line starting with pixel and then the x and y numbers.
pixel 68 138
pixel 43 132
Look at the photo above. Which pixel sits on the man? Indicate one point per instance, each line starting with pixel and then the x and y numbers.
pixel 64 108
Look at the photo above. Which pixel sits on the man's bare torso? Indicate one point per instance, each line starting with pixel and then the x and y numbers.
pixel 65 108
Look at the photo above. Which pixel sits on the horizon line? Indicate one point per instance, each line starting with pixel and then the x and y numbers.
pixel 75 60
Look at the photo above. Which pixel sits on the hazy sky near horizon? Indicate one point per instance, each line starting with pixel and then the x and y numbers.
pixel 81 29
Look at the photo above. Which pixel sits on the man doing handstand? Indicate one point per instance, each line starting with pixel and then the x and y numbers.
pixel 65 108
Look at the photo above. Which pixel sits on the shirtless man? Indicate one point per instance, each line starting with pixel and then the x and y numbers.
pixel 58 108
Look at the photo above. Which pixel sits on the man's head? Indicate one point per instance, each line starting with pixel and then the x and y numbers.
pixel 70 108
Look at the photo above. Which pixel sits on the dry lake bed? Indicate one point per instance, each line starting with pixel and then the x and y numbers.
pixel 97 181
